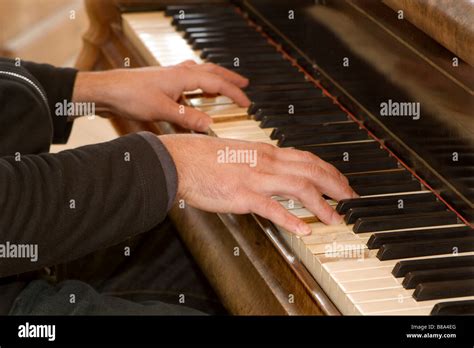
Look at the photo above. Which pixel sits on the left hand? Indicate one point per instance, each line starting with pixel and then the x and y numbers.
pixel 150 94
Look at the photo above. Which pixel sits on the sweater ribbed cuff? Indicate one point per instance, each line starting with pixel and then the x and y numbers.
pixel 167 163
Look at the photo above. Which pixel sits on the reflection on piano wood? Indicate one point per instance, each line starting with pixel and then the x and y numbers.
pixel 401 250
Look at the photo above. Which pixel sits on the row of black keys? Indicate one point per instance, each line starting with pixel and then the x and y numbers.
pixel 317 122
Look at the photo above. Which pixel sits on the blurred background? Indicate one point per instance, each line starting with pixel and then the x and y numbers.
pixel 50 31
pixel 46 31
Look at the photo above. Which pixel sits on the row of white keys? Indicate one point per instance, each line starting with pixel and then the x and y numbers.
pixel 156 38
pixel 356 280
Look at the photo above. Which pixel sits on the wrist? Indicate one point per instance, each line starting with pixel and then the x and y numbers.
pixel 92 87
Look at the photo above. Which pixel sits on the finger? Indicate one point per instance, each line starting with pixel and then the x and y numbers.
pixel 274 211
pixel 187 117
pixel 326 182
pixel 289 154
pixel 187 63
pixel 227 74
pixel 305 192
pixel 212 83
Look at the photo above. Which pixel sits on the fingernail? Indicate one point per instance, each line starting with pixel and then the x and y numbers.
pixel 336 219
pixel 303 229
pixel 203 125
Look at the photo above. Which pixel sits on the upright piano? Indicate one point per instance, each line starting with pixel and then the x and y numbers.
pixel 383 90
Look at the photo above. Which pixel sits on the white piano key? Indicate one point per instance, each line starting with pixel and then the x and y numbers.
pixel 219 100
pixel 395 307
pixel 371 273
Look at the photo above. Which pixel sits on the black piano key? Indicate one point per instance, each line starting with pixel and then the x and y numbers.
pixel 384 210
pixel 447 289
pixel 302 119
pixel 276 79
pixel 297 130
pixel 369 164
pixel 256 95
pixel 215 29
pixel 205 52
pixel 355 155
pixel 283 110
pixel 403 267
pixel 412 279
pixel 346 204
pixel 281 106
pixel 401 175
pixel 331 150
pixel 222 41
pixel 378 239
pixel 245 59
pixel 454 308
pixel 183 24
pixel 300 86
pixel 229 35
pixel 257 70
pixel 425 248
pixel 379 189
pixel 205 24
pixel 173 10
pixel 394 222
pixel 220 28
pixel 335 137
pixel 303 85
pixel 200 15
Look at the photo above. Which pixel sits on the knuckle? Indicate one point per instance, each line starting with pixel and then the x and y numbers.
pixel 269 206
pixel 344 178
pixel 315 170
pixel 308 156
pixel 181 70
pixel 303 185
pixel 269 149
pixel 287 219
pixel 211 66
pixel 265 155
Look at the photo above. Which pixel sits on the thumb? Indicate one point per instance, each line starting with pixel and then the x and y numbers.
pixel 190 118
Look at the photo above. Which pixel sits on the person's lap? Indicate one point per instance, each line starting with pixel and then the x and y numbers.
pixel 151 274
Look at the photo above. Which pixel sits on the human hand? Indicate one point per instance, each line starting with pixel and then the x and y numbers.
pixel 150 94
pixel 208 182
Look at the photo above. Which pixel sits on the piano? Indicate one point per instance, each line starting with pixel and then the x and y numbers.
pixel 383 90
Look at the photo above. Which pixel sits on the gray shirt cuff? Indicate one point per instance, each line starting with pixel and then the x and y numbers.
pixel 167 163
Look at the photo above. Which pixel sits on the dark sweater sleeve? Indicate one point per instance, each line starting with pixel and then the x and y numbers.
pixel 74 202
pixel 58 84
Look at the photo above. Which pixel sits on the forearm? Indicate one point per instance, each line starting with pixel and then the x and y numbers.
pixel 92 87
pixel 102 89
pixel 74 202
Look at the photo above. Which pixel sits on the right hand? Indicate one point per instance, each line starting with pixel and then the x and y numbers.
pixel 207 184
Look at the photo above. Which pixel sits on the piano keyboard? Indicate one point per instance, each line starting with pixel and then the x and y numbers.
pixel 400 250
